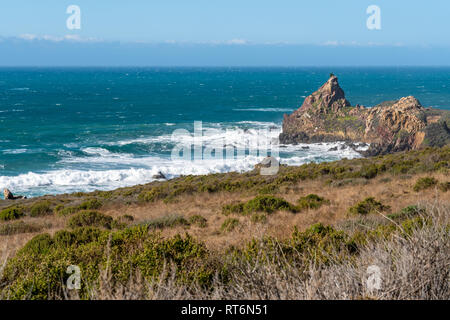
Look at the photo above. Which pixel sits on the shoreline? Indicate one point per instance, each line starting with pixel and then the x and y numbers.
pixel 356 151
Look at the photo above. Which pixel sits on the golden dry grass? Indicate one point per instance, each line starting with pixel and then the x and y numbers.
pixel 392 191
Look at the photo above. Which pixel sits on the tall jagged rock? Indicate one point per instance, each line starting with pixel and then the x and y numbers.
pixel 327 116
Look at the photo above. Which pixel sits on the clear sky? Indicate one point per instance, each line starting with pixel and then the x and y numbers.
pixel 424 25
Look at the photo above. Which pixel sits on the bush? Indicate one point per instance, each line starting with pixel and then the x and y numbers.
pixel 258 217
pixel 152 195
pixel 311 201
pixel 91 204
pixel 90 218
pixel 198 220
pixel 406 213
pixel 425 183
pixel 11 213
pixel 40 208
pixel 263 203
pixel 444 186
pixel 38 271
pixel 168 221
pixel 229 225
pixel 367 206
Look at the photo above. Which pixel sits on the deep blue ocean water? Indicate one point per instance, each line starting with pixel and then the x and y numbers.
pixel 81 129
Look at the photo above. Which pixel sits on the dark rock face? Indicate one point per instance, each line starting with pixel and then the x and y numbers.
pixel 9 196
pixel 326 116
pixel 159 175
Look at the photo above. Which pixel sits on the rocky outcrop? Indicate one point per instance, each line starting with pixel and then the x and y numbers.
pixel 9 196
pixel 327 116
pixel 159 176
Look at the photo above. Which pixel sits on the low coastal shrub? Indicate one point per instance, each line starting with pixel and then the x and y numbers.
pixel 41 208
pixel 262 203
pixel 198 220
pixel 229 225
pixel 424 183
pixel 444 186
pixel 406 213
pixel 268 204
pixel 91 204
pixel 152 195
pixel 311 201
pixel 368 205
pixel 183 264
pixel 11 213
pixel 38 271
pixel 90 218
pixel 258 217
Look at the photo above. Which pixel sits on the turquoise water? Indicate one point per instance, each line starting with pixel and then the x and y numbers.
pixel 68 129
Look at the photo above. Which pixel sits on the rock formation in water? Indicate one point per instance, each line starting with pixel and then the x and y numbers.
pixel 327 116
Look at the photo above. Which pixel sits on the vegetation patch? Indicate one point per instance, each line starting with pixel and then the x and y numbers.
pixel 11 213
pixel 311 201
pixel 425 183
pixel 368 205
pixel 90 218
pixel 262 203
pixel 41 208
pixel 258 217
pixel 407 213
pixel 229 225
pixel 198 220
pixel 444 186
pixel 38 271
pixel 167 221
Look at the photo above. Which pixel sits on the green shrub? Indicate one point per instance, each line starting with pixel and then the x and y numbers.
pixel 229 225
pixel 262 203
pixel 152 195
pixel 425 183
pixel 233 208
pixel 444 186
pixel 258 217
pixel 406 213
pixel 367 206
pixel 90 218
pixel 198 220
pixel 40 208
pixel 91 204
pixel 38 271
pixel 65 211
pixel 11 213
pixel 311 201
pixel 268 204
pixel 167 221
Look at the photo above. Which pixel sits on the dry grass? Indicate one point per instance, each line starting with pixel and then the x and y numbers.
pixel 391 191
pixel 415 267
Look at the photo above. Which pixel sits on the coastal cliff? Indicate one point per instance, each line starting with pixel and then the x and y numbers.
pixel 327 116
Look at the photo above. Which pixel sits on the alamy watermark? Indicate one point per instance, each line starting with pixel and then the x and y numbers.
pixel 74 281
pixel 374 20
pixel 373 281
pixel 73 22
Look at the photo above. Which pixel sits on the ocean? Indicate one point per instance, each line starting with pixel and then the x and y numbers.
pixel 83 129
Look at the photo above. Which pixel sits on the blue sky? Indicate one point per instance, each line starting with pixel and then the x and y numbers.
pixel 138 25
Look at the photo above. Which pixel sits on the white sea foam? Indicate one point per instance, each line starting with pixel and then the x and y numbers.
pixel 100 168
pixel 14 151
pixel 266 109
